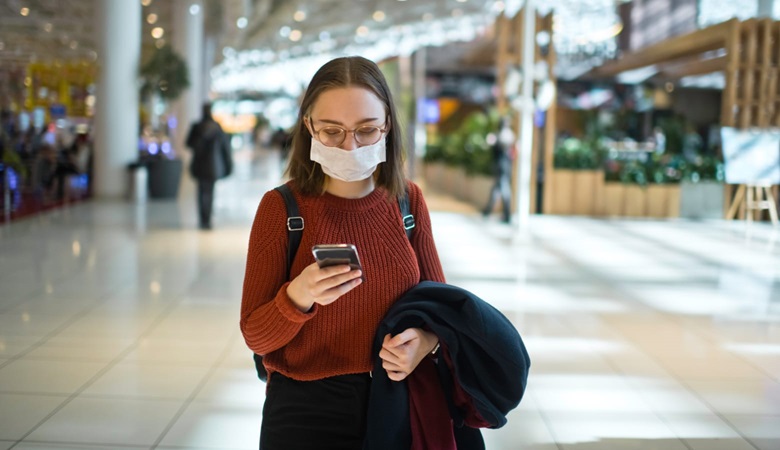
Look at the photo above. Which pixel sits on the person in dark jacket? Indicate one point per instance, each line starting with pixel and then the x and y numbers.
pixel 500 147
pixel 211 160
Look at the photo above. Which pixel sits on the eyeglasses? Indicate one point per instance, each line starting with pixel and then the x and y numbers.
pixel 333 135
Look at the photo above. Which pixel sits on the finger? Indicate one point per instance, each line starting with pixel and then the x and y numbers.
pixel 397 376
pixel 403 337
pixel 389 356
pixel 331 295
pixel 323 273
pixel 338 280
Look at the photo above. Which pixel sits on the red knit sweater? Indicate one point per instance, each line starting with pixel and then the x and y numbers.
pixel 334 339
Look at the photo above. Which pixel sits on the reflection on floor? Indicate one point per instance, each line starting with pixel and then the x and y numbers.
pixel 118 326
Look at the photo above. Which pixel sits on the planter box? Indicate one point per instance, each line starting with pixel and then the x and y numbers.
pixel 479 187
pixel 663 200
pixel 434 176
pixel 702 200
pixel 164 178
pixel 588 192
pixel 614 195
pixel 634 201
pixel 562 192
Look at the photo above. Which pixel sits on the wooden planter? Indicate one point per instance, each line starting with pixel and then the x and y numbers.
pixel 663 200
pixel 578 192
pixel 479 187
pixel 614 193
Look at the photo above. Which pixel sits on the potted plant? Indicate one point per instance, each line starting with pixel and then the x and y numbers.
pixel 165 76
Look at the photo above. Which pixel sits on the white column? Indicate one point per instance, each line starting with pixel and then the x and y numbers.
pixel 526 138
pixel 116 111
pixel 188 43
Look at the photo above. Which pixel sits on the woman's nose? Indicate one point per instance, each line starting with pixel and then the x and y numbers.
pixel 349 142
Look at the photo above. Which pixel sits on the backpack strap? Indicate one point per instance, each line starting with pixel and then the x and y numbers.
pixel 406 215
pixel 295 225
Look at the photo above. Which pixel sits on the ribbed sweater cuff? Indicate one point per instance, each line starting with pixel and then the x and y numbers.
pixel 288 309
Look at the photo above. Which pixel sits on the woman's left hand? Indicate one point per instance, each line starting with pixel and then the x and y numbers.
pixel 403 352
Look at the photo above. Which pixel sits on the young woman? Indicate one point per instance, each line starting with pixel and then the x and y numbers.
pixel 316 329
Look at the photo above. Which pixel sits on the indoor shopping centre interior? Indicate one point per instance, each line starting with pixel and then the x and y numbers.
pixel 604 173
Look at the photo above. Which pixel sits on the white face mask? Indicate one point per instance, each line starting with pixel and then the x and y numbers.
pixel 348 165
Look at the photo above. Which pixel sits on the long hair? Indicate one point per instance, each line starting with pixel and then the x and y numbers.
pixel 352 71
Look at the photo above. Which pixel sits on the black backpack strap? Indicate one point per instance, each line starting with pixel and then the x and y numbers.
pixel 406 215
pixel 294 225
pixel 294 233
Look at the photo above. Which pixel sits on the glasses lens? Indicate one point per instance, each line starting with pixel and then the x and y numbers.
pixel 368 135
pixel 332 136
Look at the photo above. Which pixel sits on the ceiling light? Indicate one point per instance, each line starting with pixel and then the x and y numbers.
pixel 25 11
pixel 158 32
pixel 462 1
pixel 48 27
pixel 242 22
pixel 379 16
pixel 299 16
pixel 194 10
pixel 324 36
pixel 285 31
pixel 151 18
pixel 295 35
pixel 146 2
pixel 362 30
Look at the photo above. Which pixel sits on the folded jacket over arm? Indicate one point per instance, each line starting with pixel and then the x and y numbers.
pixel 480 377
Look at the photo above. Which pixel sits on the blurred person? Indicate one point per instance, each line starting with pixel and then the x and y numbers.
pixel 501 144
pixel 211 160
pixel 316 328
pixel 44 169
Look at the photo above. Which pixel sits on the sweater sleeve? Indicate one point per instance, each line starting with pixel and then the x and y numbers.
pixel 269 319
pixel 422 238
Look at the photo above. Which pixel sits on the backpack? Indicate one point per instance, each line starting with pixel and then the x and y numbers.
pixel 295 231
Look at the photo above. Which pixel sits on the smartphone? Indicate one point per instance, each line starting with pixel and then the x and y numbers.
pixel 337 254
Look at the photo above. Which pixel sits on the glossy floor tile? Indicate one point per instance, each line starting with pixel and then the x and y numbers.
pixel 119 325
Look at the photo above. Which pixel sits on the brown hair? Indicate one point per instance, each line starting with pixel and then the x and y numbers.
pixel 352 71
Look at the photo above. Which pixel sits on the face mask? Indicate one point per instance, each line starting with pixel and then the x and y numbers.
pixel 348 165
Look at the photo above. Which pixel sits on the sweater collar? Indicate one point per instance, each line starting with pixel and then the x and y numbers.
pixel 354 204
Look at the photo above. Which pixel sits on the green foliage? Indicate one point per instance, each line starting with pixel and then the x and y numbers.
pixel 579 154
pixel 165 74
pixel 466 147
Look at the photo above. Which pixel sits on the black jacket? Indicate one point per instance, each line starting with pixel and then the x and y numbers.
pixel 211 156
pixel 487 355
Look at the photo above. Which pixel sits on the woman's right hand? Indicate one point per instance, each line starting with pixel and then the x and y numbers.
pixel 322 285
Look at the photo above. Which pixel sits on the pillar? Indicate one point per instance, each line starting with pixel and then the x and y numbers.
pixel 188 43
pixel 116 110
pixel 526 138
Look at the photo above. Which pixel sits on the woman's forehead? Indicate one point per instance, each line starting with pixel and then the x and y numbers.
pixel 346 103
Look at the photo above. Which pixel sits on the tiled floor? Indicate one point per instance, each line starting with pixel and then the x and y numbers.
pixel 119 326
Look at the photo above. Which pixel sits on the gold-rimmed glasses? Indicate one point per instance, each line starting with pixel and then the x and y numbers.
pixel 334 135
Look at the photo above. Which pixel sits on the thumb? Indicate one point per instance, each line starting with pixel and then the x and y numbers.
pixel 402 338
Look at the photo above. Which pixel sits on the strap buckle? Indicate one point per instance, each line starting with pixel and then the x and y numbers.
pixel 295 223
pixel 408 222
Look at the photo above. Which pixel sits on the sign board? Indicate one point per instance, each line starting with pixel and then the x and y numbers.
pixel 751 156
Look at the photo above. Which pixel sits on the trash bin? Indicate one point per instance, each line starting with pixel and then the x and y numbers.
pixel 138 182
